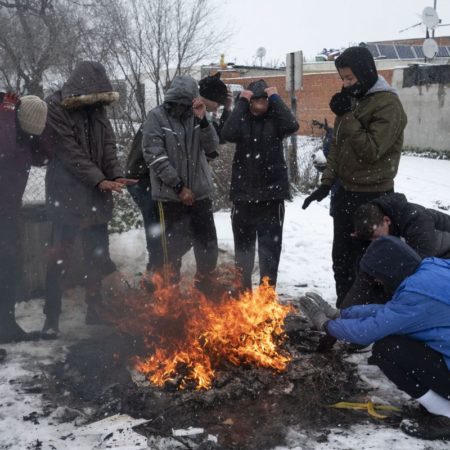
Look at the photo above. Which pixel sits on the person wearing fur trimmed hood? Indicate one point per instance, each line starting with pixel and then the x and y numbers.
pixel 365 154
pixel 410 333
pixel 176 139
pixel 22 121
pixel 81 177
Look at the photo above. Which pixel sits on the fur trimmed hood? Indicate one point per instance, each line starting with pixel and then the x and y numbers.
pixel 80 101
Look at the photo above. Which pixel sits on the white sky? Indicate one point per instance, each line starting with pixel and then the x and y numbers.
pixel 282 26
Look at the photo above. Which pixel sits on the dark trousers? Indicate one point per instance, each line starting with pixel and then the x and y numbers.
pixel 10 266
pixel 347 250
pixel 142 196
pixel 187 226
pixel 262 221
pixel 413 366
pixel 95 245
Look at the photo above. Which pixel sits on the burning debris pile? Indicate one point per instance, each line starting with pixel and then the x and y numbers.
pixel 187 335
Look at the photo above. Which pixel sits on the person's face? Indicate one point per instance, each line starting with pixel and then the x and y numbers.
pixel 383 229
pixel 211 106
pixel 347 76
pixel 259 106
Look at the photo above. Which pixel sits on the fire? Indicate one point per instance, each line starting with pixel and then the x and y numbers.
pixel 189 335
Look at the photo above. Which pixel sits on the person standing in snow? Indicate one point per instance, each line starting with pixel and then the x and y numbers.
pixel 365 153
pixel 426 231
pixel 259 179
pixel 80 179
pixel 22 121
pixel 177 138
pixel 213 92
pixel 411 332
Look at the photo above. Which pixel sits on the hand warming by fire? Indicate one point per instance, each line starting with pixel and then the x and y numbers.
pixel 189 336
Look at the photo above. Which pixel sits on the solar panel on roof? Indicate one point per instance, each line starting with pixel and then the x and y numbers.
pixel 419 51
pixel 388 51
pixel 405 52
pixel 373 50
pixel 442 52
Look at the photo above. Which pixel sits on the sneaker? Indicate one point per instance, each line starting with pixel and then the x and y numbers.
pixel 51 327
pixel 12 332
pixel 430 427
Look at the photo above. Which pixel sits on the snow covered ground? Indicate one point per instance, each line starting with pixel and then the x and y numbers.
pixel 305 264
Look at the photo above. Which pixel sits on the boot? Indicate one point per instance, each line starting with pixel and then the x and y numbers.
pixel 12 332
pixel 430 427
pixel 51 326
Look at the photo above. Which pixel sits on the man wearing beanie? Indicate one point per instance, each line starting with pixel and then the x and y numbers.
pixel 364 155
pixel 176 139
pixel 259 180
pixel 21 123
pixel 411 332
pixel 81 177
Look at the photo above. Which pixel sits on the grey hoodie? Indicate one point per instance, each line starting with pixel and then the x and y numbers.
pixel 174 147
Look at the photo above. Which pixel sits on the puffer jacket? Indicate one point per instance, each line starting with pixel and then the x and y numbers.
pixel 367 142
pixel 419 308
pixel 175 148
pixel 84 148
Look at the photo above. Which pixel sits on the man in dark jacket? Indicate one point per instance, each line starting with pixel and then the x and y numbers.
pixel 79 183
pixel 259 180
pixel 427 231
pixel 213 93
pixel 365 153
pixel 176 139
pixel 21 122
pixel 411 332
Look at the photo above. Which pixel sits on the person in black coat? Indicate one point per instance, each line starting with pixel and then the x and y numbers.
pixel 259 180
pixel 427 231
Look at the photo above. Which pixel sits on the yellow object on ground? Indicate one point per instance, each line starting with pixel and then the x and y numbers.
pixel 369 406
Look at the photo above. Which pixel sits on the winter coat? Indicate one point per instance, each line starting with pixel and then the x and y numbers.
pixel 367 142
pixel 17 153
pixel 175 148
pixel 84 149
pixel 425 230
pixel 420 309
pixel 259 170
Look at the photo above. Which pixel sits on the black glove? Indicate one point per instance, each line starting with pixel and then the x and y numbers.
pixel 319 194
pixel 341 103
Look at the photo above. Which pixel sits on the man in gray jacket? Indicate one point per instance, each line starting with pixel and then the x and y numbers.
pixel 176 138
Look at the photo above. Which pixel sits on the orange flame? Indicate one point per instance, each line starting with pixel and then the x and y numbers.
pixel 189 335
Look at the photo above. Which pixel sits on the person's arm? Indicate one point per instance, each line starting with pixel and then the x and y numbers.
pixel 209 141
pixel 155 153
pixel 111 166
pixel 231 130
pixel 67 150
pixel 329 175
pixel 398 316
pixel 420 234
pixel 371 144
pixel 287 123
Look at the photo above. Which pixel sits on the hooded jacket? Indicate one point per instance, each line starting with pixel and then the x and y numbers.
pixel 84 148
pixel 259 170
pixel 367 142
pixel 175 147
pixel 419 308
pixel 427 231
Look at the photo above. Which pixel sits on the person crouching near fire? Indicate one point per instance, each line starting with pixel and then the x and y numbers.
pixel 411 332
pixel 21 122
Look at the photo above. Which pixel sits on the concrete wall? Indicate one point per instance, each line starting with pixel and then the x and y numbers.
pixel 428 110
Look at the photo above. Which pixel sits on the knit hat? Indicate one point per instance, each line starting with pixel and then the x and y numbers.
pixel 213 88
pixel 360 60
pixel 32 114
pixel 389 260
pixel 258 88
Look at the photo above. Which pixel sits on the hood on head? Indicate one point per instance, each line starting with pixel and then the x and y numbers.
pixel 362 64
pixel 258 88
pixel 182 91
pixel 389 260
pixel 87 85
pixel 392 204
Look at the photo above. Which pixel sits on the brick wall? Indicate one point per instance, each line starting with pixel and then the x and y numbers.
pixel 312 100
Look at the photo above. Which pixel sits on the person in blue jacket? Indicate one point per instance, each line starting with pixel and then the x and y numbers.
pixel 411 332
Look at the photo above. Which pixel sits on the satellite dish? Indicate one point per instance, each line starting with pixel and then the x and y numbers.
pixel 261 52
pixel 430 18
pixel 430 48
